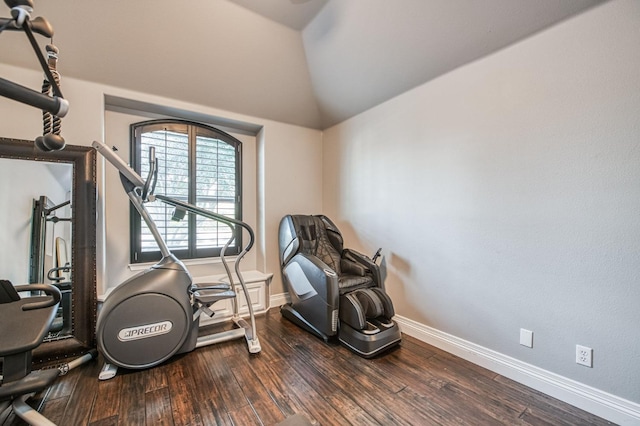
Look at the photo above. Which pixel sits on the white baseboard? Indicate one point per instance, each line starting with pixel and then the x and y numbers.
pixel 602 404
pixel 277 300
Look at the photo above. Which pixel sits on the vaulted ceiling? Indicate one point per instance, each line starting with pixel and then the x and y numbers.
pixel 312 63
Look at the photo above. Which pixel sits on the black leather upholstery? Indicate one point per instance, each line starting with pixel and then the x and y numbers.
pixel 317 236
pixel 329 285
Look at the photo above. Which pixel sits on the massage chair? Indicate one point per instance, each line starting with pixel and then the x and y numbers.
pixel 333 290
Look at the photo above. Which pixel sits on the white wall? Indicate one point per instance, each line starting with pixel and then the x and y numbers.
pixel 506 194
pixel 263 167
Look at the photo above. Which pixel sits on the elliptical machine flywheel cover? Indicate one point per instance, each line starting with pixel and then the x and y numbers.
pixel 143 331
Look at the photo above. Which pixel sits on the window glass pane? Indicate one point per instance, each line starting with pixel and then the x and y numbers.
pixel 172 154
pixel 215 189
pixel 196 164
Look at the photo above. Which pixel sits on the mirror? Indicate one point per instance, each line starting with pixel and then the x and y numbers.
pixel 63 210
pixel 38 220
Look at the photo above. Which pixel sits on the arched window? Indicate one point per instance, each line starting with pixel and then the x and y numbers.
pixel 197 164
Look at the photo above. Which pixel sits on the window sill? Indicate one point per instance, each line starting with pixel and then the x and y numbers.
pixel 204 261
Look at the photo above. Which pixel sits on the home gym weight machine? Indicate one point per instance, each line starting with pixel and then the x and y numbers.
pixel 156 313
pixel 53 107
pixel 24 322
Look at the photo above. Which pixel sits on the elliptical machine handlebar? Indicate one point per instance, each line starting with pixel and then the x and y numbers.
pixel 146 186
pixel 124 169
pixel 152 177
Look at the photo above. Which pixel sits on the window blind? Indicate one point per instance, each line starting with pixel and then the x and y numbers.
pixel 198 165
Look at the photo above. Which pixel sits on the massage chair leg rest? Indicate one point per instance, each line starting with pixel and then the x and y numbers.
pixel 369 345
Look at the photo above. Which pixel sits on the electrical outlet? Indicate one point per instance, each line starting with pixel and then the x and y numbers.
pixel 526 338
pixel 584 356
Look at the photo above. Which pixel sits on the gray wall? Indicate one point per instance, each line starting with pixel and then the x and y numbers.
pixel 507 194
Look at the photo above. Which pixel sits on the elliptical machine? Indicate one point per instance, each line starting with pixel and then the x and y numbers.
pixel 155 314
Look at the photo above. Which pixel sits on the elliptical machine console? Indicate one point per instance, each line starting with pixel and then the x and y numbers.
pixel 156 314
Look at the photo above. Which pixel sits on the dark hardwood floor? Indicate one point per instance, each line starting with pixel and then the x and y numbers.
pixel 415 384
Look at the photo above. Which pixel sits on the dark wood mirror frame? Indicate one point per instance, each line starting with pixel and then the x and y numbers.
pixel 83 245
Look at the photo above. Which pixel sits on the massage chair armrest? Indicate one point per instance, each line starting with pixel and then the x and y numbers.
pixel 358 261
pixel 308 276
pixel 349 267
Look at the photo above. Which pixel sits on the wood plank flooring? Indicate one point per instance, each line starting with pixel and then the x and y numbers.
pixel 414 384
